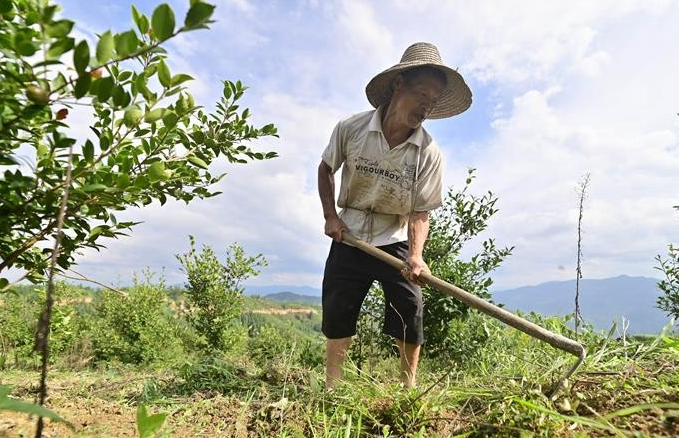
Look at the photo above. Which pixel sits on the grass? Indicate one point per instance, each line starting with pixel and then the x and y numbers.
pixel 624 389
pixel 627 387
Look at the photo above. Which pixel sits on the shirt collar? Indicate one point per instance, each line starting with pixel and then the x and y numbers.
pixel 416 138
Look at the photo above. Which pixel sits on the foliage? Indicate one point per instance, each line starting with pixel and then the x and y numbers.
pixel 669 302
pixel 214 291
pixel 269 344
pixel 11 404
pixel 462 218
pixel 149 425
pixel 149 140
pixel 135 328
pixel 19 312
pixel 370 343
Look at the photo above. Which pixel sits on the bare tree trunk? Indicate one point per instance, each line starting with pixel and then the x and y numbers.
pixel 582 194
pixel 44 323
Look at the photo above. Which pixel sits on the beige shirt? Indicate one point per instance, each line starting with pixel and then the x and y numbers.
pixel 380 186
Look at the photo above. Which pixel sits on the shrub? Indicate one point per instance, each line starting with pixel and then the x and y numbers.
pixel 136 328
pixel 269 344
pixel 214 292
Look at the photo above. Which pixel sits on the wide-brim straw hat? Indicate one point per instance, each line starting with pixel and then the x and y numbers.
pixel 456 97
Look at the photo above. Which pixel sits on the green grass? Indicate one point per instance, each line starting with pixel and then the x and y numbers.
pixel 626 387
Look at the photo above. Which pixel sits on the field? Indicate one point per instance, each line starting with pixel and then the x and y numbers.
pixel 272 385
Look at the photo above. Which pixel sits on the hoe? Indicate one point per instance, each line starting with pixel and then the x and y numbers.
pixel 534 330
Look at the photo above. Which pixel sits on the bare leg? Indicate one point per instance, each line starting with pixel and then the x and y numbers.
pixel 336 350
pixel 410 357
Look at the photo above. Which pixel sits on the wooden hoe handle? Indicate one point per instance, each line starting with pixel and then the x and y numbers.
pixel 532 329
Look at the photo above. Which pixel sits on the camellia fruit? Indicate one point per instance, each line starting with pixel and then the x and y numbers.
pixel 96 74
pixel 37 95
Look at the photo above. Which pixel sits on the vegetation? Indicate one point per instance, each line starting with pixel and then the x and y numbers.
pixel 274 387
pixel 670 284
pixel 149 142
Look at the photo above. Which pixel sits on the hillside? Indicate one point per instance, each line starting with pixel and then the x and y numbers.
pixel 602 301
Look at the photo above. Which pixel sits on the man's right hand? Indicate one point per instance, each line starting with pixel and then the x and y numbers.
pixel 334 227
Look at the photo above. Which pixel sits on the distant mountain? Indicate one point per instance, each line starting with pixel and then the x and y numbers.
pixel 268 290
pixel 601 301
pixel 293 297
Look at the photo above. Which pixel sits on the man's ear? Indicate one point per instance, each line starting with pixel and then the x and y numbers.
pixel 398 83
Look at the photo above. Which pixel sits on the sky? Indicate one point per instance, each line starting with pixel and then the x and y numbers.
pixel 560 89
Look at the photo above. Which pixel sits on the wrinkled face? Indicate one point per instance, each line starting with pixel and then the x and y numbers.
pixel 413 100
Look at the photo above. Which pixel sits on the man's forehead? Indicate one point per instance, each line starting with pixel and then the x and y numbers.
pixel 426 80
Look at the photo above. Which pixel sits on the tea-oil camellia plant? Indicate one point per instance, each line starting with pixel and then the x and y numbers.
pixel 149 140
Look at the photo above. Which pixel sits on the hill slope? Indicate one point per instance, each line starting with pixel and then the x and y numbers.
pixel 601 301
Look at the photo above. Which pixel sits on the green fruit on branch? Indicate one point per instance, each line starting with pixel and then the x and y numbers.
pixel 37 95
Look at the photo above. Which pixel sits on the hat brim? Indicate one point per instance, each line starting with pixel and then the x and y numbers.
pixel 455 99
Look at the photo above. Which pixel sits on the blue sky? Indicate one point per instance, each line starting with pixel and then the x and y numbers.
pixel 560 89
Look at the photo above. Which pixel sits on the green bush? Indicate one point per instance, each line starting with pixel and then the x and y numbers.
pixel 214 293
pixel 19 310
pixel 137 328
pixel 269 344
pixel 462 218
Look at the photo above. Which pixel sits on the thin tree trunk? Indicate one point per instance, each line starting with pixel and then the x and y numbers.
pixel 582 193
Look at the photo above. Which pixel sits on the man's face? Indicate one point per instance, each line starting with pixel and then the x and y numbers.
pixel 413 100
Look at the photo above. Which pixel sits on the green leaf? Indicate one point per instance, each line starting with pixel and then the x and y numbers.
pixel 157 171
pixel 94 187
pixel 154 115
pixel 82 85
pixel 162 22
pixel 88 151
pixel 105 47
pixel 60 47
pixel 105 88
pixel 26 48
pixel 5 6
pixel 81 56
pixel 118 94
pixel 198 14
pixel 180 78
pixel 197 161
pixel 148 425
pixel 164 74
pixel 126 43
pixel 140 20
pixel 59 29
pixel 11 404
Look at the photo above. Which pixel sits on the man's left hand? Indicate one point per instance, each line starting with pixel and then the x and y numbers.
pixel 416 266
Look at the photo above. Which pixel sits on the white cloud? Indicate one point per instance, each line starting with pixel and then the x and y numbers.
pixel 563 89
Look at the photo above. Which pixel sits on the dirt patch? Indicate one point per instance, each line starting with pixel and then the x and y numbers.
pixel 272 311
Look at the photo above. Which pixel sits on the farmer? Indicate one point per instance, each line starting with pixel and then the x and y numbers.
pixel 391 179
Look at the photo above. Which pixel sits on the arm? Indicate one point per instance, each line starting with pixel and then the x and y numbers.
pixel 418 230
pixel 326 191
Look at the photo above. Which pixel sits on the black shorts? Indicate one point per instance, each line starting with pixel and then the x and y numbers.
pixel 349 273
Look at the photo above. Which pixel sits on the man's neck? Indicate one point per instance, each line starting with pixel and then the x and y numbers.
pixel 394 132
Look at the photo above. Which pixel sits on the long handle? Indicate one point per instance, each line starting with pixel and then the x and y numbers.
pixel 534 330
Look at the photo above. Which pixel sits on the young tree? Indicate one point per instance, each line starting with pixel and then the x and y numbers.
pixel 462 217
pixel 215 291
pixel 669 302
pixel 582 195
pixel 149 141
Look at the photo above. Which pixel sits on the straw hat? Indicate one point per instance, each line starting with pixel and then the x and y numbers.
pixel 456 98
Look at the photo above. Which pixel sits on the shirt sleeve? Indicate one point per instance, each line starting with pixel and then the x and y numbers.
pixel 335 153
pixel 429 186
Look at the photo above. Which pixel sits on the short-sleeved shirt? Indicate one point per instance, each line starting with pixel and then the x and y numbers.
pixel 381 186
